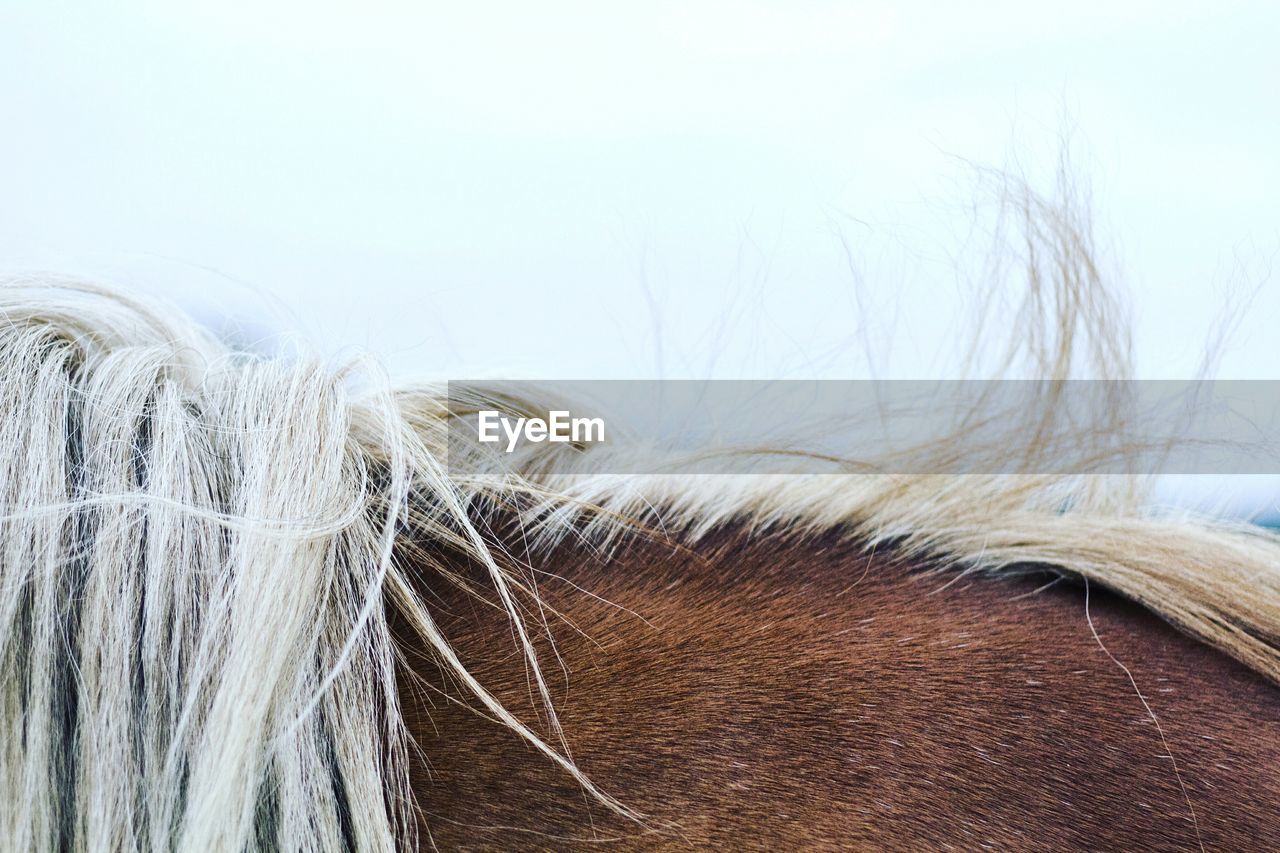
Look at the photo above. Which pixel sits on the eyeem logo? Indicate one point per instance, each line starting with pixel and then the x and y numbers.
pixel 559 427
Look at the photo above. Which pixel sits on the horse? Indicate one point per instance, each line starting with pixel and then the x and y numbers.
pixel 245 603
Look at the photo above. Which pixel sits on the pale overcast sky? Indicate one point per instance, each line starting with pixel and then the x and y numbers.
pixel 549 189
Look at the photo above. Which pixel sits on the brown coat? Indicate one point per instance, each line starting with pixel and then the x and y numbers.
pixel 762 692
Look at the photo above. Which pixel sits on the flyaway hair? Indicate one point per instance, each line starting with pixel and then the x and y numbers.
pixel 200 550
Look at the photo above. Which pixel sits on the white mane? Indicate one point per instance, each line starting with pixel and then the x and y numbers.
pixel 198 548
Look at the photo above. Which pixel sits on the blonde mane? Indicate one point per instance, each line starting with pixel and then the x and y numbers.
pixel 199 548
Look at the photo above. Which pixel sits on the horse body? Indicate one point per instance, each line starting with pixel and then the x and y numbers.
pixel 244 605
pixel 765 691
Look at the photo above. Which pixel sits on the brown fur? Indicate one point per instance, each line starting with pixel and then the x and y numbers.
pixel 766 692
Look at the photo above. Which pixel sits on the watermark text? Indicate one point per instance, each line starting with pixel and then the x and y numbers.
pixel 559 426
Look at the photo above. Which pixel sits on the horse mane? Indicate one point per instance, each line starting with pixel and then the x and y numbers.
pixel 199 548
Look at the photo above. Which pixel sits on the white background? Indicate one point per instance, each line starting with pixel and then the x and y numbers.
pixel 634 189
